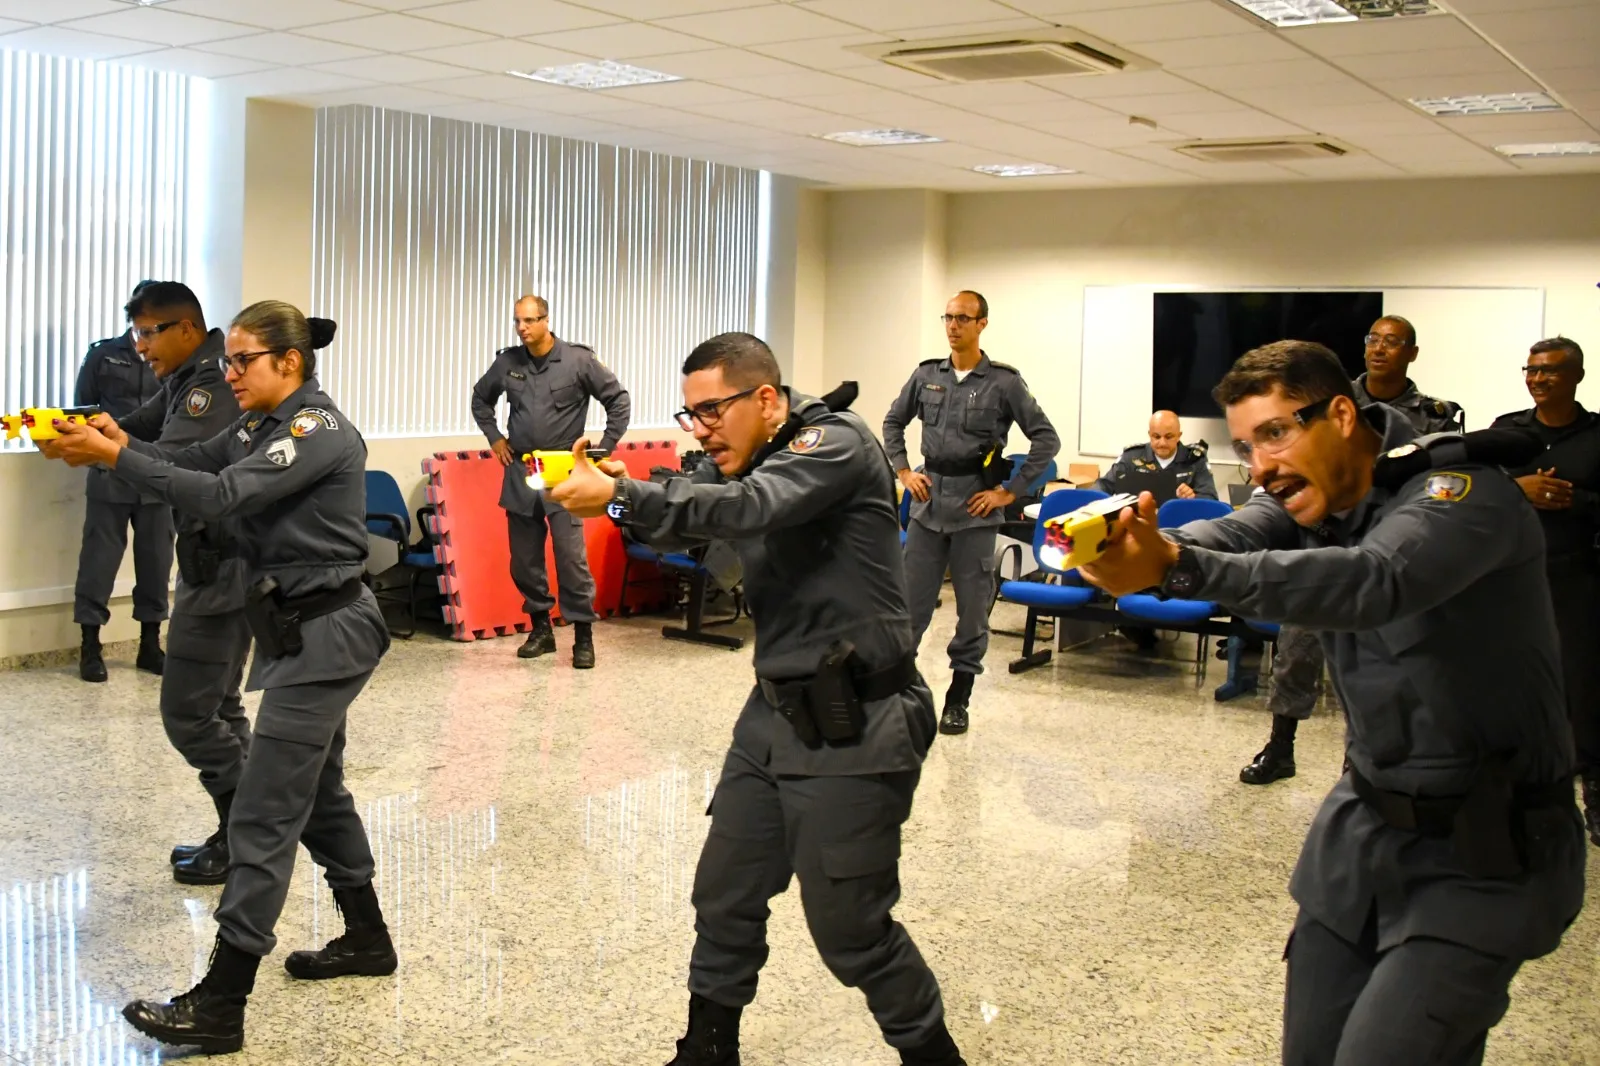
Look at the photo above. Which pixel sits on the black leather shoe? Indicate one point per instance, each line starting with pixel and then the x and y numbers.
pixel 713 1036
pixel 541 640
pixel 363 950
pixel 1591 806
pixel 956 698
pixel 938 1050
pixel 210 1016
pixel 91 660
pixel 152 660
pixel 181 852
pixel 582 646
pixel 1273 763
pixel 208 866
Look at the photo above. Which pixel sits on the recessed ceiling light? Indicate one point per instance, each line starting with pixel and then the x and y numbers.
pixel 1312 12
pixel 871 138
pixel 605 74
pixel 1021 170
pixel 1484 104
pixel 1548 151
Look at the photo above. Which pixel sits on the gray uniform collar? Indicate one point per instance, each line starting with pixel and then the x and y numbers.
pixel 541 361
pixel 209 351
pixel 296 400
pixel 1395 430
pixel 1409 396
pixel 980 369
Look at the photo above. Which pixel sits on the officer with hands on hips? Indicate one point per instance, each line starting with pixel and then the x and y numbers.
pixel 828 749
pixel 1451 851
pixel 967 404
pixel 548 382
pixel 115 379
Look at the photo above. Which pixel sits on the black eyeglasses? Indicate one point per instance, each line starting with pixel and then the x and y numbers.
pixel 960 320
pixel 151 332
pixel 709 414
pixel 1543 371
pixel 238 364
pixel 1277 435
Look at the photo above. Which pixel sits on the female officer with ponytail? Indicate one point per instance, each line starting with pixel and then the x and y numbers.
pixel 292 472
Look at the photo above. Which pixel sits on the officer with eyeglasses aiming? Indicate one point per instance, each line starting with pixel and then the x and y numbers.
pixel 1451 850
pixel 968 404
pixel 828 749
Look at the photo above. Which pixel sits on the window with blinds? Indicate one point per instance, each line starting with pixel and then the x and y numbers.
pixel 92 200
pixel 427 230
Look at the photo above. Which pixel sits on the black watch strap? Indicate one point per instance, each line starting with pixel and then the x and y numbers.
pixel 1184 578
pixel 620 509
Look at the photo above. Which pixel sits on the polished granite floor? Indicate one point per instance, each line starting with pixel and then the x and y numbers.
pixel 1083 870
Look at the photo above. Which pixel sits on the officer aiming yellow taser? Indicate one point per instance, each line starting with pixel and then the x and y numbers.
pixel 1079 537
pixel 40 421
pixel 546 470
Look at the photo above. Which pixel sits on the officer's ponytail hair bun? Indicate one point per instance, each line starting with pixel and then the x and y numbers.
pixel 322 331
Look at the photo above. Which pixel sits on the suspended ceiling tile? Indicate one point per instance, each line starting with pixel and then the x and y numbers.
pixel 390 69
pixel 195 63
pixel 1232 124
pixel 48 11
pixel 287 49
pixel 270 14
pixel 162 27
pixel 513 18
pixel 499 56
pixel 290 81
pixel 1414 88
pixel 78 44
pixel 626 40
pixel 1384 36
pixel 1511 29
pixel 714 64
pixel 828 53
pixel 800 84
pixel 1137 25
pixel 760 25
pixel 890 16
pixel 394 33
pixel 1256 47
pixel 1105 86
pixel 1479 61
pixel 1159 105
pixel 645 10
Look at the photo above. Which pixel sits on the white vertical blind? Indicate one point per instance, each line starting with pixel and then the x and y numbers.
pixel 92 200
pixel 427 230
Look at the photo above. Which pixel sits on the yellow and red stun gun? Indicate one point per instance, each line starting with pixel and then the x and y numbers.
pixel 40 421
pixel 1079 537
pixel 548 469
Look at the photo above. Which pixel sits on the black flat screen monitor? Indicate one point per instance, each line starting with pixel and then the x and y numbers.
pixel 1198 335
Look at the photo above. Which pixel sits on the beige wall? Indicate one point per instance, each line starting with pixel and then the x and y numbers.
pixel 1032 254
pixel 280 158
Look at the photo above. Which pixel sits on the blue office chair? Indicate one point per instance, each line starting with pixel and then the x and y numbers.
pixel 905 515
pixel 1037 485
pixel 1186 616
pixel 694 580
pixel 1061 593
pixel 387 518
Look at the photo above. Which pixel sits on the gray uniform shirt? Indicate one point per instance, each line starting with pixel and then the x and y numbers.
pixel 115 378
pixel 549 399
pixel 817 531
pixel 1425 413
pixel 1435 618
pixel 960 420
pixel 195 404
pixel 1189 466
pixel 296 481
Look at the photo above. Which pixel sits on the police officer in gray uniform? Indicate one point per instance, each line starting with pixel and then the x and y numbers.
pixel 293 471
pixel 829 747
pixel 1297 668
pixel 1165 450
pixel 967 405
pixel 114 379
pixel 208 639
pixel 549 383
pixel 1451 851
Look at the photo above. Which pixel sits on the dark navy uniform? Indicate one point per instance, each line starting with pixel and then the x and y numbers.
pixel 549 398
pixel 295 481
pixel 816 528
pixel 960 420
pixel 1572 563
pixel 1189 466
pixel 1427 414
pixel 1434 616
pixel 116 379
pixel 208 639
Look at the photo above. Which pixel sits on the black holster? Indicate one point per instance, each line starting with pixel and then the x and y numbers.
pixel 200 555
pixel 275 619
pixel 996 470
pixel 830 705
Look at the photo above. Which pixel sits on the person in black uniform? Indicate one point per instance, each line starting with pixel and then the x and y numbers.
pixel 116 380
pixel 1563 485
pixel 806 495
pixel 292 470
pixel 548 382
pixel 1451 851
pixel 208 639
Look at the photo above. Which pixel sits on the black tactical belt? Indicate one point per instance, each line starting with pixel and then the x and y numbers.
pixel 954 468
pixel 318 604
pixel 874 685
pixel 1436 815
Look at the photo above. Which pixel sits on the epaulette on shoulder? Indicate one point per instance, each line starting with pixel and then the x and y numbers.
pixel 585 347
pixel 1005 366
pixel 1506 447
pixel 508 350
pixel 1130 449
pixel 932 362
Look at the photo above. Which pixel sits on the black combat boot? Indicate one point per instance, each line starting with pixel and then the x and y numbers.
pixel 1591 805
pixel 713 1036
pixel 582 646
pixel 210 1016
pixel 1276 760
pixel 956 697
pixel 938 1050
pixel 364 949
pixel 224 804
pixel 91 661
pixel 541 639
pixel 151 658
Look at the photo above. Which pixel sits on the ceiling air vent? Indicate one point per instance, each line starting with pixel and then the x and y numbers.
pixel 1008 57
pixel 1281 150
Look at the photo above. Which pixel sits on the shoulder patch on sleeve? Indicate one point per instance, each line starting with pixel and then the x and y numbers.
pixel 1449 486
pixel 311 419
pixel 1199 449
pixel 198 403
pixel 806 440
pixel 281 451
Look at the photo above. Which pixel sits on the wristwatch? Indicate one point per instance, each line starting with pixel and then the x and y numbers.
pixel 620 509
pixel 1184 577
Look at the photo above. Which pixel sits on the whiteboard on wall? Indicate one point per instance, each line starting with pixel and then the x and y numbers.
pixel 1472 344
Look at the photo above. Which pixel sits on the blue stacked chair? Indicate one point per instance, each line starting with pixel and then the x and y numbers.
pixel 1188 616
pixel 1063 594
pixel 387 518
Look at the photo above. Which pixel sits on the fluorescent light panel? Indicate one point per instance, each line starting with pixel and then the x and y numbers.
pixel 1313 12
pixel 1021 170
pixel 1551 150
pixel 605 74
pixel 1484 104
pixel 873 138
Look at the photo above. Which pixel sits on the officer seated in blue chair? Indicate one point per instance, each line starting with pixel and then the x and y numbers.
pixel 1166 468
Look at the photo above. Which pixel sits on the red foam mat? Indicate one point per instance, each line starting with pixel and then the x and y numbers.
pixel 480 599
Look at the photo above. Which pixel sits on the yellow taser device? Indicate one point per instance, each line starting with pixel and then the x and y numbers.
pixel 1080 536
pixel 40 421
pixel 549 469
